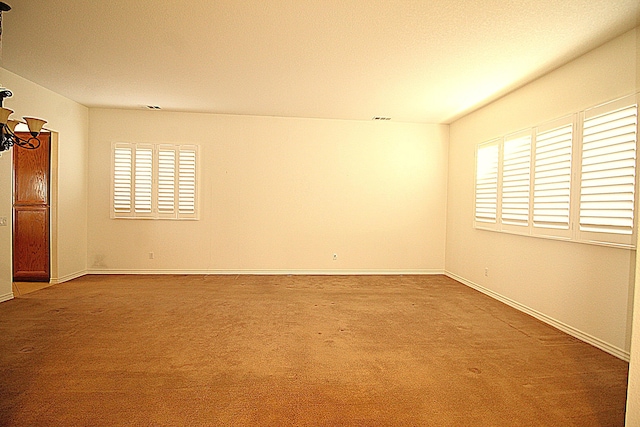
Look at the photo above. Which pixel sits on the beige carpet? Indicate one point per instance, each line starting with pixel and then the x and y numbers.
pixel 293 351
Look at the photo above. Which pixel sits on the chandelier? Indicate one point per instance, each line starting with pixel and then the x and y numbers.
pixel 8 137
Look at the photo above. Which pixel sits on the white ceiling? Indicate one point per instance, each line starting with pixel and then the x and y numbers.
pixel 418 61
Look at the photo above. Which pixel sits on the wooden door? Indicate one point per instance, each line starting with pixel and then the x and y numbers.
pixel 31 211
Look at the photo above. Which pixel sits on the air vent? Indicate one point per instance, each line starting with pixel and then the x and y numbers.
pixel 380 118
pixel 153 107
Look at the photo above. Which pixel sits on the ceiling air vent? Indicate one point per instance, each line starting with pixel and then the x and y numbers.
pixel 380 118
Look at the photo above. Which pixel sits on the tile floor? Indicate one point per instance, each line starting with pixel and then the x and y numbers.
pixel 23 288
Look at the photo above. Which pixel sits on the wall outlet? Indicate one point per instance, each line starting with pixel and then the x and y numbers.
pixel 335 257
pixel 486 271
pixel 151 255
pixel 3 221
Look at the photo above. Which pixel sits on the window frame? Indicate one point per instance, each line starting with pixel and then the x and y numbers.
pixel 155 187
pixel 573 232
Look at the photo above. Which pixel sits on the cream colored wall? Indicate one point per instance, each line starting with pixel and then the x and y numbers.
pixel 280 195
pixel 583 287
pixel 5 232
pixel 70 121
pixel 633 392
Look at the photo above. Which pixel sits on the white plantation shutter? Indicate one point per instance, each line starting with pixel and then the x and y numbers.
pixel 572 178
pixel 516 178
pixel 552 178
pixel 486 208
pixel 122 181
pixel 143 180
pixel 166 180
pixel 607 185
pixel 154 181
pixel 187 182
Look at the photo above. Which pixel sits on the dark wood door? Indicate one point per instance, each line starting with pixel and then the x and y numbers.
pixel 31 211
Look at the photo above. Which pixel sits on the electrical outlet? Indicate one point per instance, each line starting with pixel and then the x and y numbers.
pixel 486 271
pixel 335 257
pixel 3 221
pixel 151 255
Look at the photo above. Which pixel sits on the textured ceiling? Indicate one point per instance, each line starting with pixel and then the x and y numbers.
pixel 419 61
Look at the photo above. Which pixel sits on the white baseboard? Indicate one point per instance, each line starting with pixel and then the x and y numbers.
pixel 6 297
pixel 273 272
pixel 576 333
pixel 56 280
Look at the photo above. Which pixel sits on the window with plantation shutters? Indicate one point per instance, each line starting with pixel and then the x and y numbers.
pixel 516 176
pixel 486 200
pixel 552 178
pixel 154 181
pixel 572 178
pixel 608 170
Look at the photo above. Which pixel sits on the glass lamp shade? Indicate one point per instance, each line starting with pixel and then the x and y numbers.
pixel 11 124
pixel 4 115
pixel 34 124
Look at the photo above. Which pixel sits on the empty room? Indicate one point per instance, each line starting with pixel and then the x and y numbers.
pixel 414 213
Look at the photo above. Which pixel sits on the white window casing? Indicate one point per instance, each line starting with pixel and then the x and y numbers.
pixel 573 178
pixel 155 181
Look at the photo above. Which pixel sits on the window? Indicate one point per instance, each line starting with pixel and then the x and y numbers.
pixel 154 181
pixel 558 183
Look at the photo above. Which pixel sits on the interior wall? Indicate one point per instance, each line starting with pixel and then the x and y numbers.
pixel 280 195
pixel 633 390
pixel 70 121
pixel 584 287
pixel 5 231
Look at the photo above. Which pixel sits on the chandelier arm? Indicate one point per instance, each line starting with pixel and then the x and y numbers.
pixel 9 138
pixel 5 142
pixel 30 144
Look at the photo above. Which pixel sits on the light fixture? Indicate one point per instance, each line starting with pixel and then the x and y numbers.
pixel 8 137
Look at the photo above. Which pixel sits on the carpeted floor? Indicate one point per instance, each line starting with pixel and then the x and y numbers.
pixel 293 351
